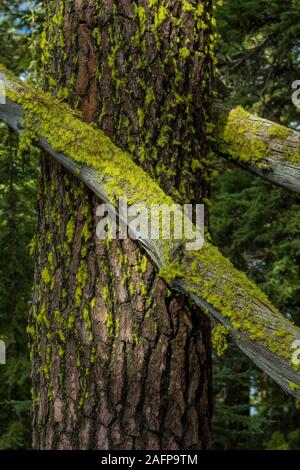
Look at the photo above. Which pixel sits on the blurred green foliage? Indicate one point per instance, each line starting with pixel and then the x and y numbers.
pixel 19 32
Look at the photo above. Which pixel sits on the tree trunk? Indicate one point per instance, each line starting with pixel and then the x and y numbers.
pixel 118 361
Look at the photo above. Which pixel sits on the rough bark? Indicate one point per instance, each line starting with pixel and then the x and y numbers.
pixel 206 276
pixel 118 362
pixel 268 150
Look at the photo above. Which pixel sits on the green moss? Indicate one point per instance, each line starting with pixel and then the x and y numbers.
pixel 149 97
pixel 136 339
pixel 131 289
pixel 213 279
pixel 163 136
pixel 105 294
pixel 71 321
pixel 121 177
pixel 63 93
pixel 239 136
pixel 294 386
pixel 32 246
pixel 30 330
pixel 280 132
pixel 188 6
pixel 43 42
pixel 86 316
pixel 108 320
pixel 50 259
pixel 97 36
pixel 117 326
pixel 112 62
pixel 293 156
pixel 141 14
pixel 141 117
pixel 160 16
pixel 87 145
pixel 144 264
pixel 143 289
pixel 26 137
pixel 41 317
pixel 81 278
pixel 220 335
pixel 58 317
pixel 70 230
pixel 86 233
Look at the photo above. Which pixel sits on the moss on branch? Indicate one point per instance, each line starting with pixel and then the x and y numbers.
pixel 249 139
pixel 205 274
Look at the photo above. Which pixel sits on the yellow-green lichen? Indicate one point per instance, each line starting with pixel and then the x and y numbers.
pixel 239 137
pixel 81 278
pixel 144 264
pixel 86 317
pixel 46 276
pixel 70 230
pixel 293 386
pixel 213 279
pixel 84 144
pixel 278 131
pixel 184 52
pixel 97 36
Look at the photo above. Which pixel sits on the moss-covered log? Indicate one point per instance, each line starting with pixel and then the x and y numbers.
pixel 266 149
pixel 207 277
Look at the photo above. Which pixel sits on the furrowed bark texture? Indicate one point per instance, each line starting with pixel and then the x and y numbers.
pixel 266 149
pixel 119 361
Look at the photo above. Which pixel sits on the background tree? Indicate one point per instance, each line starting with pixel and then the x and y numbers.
pixel 256 224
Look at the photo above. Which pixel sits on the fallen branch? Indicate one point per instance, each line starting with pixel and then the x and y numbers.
pixel 206 276
pixel 258 145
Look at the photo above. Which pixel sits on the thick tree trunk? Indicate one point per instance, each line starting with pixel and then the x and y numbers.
pixel 118 361
pixel 268 150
